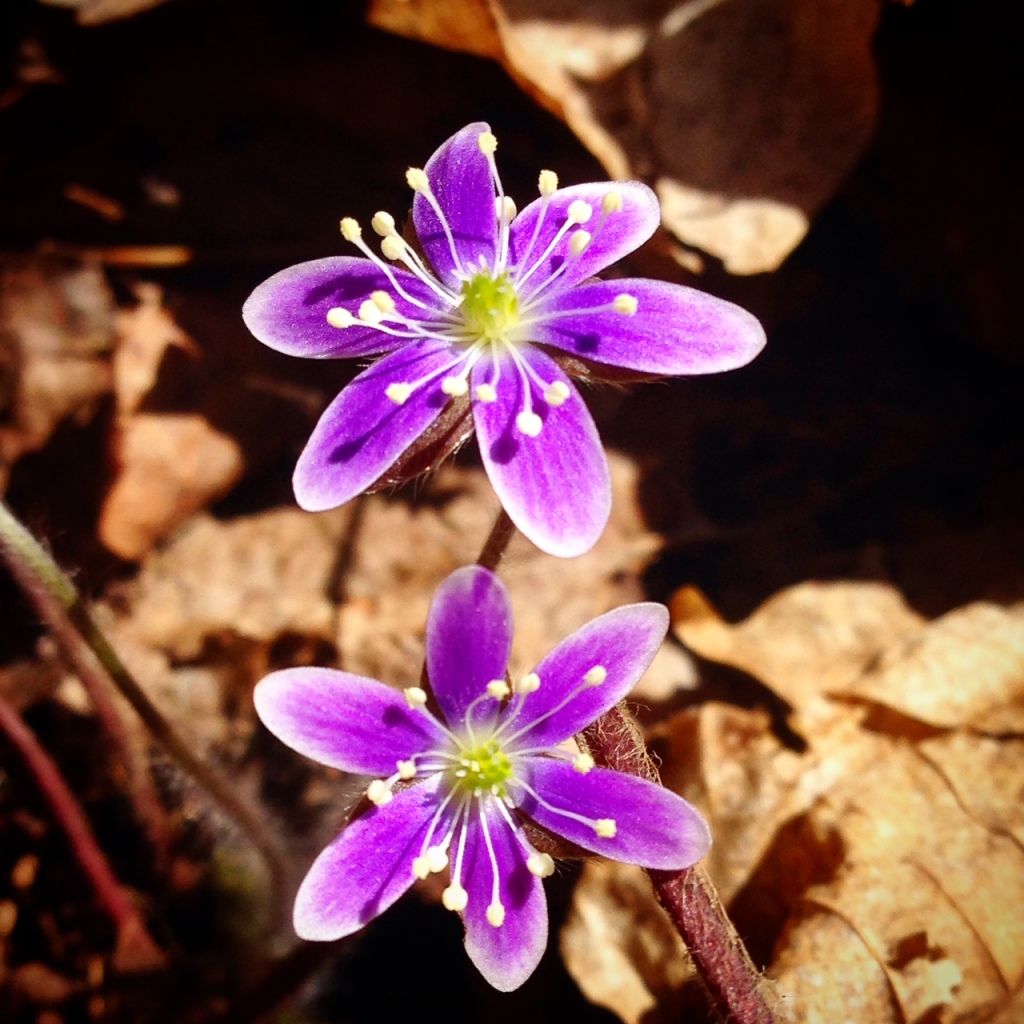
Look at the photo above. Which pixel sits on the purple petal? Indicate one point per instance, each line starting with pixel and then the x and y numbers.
pixel 288 311
pixel 654 827
pixel 623 642
pixel 342 720
pixel 555 486
pixel 619 235
pixel 469 639
pixel 460 178
pixel 362 431
pixel 367 867
pixel 506 956
pixel 675 330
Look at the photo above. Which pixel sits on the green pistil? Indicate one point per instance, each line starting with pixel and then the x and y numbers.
pixel 485 768
pixel 490 306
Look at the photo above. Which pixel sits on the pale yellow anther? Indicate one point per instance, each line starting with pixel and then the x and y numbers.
pixel 485 393
pixel 498 689
pixel 399 394
pixel 415 696
pixel 437 860
pixel 455 898
pixel 605 828
pixel 383 301
pixel 419 867
pixel 370 312
pixel 350 229
pixel 579 212
pixel 454 386
pixel 612 202
pixel 383 223
pixel 416 179
pixel 595 676
pixel 556 393
pixel 505 208
pixel 540 864
pixel 378 793
pixel 495 915
pixel 487 142
pixel 529 423
pixel 625 304
pixel 583 763
pixel 530 683
pixel 406 769
pixel 338 317
pixel 547 183
pixel 393 247
pixel 578 241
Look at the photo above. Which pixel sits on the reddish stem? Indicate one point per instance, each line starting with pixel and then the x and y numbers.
pixel 733 984
pixel 135 948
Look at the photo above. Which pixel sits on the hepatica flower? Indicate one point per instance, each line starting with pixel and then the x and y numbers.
pixel 451 792
pixel 481 326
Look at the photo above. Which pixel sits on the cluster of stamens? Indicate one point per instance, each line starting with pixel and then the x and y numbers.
pixel 480 767
pixel 488 319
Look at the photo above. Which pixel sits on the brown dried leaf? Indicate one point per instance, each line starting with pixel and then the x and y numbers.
pixel 56 333
pixel 745 115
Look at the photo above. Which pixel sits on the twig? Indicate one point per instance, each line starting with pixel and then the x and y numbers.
pixel 59 606
pixel 135 949
pixel 497 541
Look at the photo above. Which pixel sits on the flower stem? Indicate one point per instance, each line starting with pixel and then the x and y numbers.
pixel 733 984
pixel 62 609
pixel 497 542
pixel 135 948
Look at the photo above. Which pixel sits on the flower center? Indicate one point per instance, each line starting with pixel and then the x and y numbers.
pixel 490 305
pixel 484 768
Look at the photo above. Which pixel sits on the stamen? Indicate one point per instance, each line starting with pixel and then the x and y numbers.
pixel 547 183
pixel 605 828
pixel 415 696
pixel 541 865
pixel 498 689
pixel 583 763
pixel 378 793
pixel 488 143
pixel 529 423
pixel 455 898
pixel 485 393
pixel 595 676
pixel 383 301
pixel 530 683
pixel 498 915
pixel 370 313
pixel 399 394
pixel 393 247
pixel 406 769
pixel 437 859
pixel 557 393
pixel 383 223
pixel 505 208
pixel 339 317
pixel 625 304
pixel 350 229
pixel 612 202
pixel 454 386
pixel 579 212
pixel 418 182
pixel 578 241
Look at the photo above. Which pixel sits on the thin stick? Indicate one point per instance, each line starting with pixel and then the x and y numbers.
pixel 135 947
pixel 497 542
pixel 59 606
pixel 733 984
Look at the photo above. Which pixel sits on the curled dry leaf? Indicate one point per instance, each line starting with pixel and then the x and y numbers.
pixel 878 870
pixel 745 115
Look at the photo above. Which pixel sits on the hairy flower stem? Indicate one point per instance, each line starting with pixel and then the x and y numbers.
pixel 62 609
pixel 135 947
pixel 733 984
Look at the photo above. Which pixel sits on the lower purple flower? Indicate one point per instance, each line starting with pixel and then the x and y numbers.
pixel 452 792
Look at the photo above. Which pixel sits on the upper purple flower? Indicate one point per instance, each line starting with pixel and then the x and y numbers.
pixel 452 792
pixel 494 313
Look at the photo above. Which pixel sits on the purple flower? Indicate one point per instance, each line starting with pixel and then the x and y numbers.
pixel 452 791
pixel 482 329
